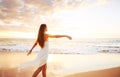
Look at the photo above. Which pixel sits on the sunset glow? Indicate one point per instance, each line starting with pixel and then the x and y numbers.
pixel 17 35
pixel 78 18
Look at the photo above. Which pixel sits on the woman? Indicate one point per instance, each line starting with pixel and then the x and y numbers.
pixel 42 41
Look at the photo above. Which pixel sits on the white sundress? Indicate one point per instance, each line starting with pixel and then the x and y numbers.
pixel 40 59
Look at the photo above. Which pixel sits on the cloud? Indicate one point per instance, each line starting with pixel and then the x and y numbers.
pixel 23 11
pixel 27 13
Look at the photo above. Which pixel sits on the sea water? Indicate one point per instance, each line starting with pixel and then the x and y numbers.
pixel 63 45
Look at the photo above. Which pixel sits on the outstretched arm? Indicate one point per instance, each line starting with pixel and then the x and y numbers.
pixel 29 52
pixel 59 36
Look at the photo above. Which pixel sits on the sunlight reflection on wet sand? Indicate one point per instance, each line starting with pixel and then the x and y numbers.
pixel 59 64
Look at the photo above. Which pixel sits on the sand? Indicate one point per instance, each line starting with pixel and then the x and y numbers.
pixel 111 72
pixel 63 65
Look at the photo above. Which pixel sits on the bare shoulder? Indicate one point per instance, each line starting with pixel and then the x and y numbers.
pixel 48 35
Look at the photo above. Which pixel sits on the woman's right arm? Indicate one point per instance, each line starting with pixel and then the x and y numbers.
pixel 29 52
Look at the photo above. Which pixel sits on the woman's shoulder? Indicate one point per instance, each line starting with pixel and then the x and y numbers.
pixel 48 35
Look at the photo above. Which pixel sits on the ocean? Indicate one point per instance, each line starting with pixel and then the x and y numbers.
pixel 63 45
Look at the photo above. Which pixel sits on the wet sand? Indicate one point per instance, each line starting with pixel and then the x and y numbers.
pixel 111 72
pixel 63 65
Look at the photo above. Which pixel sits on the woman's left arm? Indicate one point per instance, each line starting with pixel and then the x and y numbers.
pixel 59 36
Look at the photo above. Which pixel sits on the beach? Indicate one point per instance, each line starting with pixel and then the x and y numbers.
pixel 111 72
pixel 63 65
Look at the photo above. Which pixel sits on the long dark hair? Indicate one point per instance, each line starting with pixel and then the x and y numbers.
pixel 41 35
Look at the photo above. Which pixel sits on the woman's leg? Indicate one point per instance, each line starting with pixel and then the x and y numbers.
pixel 44 70
pixel 37 72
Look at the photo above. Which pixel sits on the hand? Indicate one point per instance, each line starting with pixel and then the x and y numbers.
pixel 70 38
pixel 29 52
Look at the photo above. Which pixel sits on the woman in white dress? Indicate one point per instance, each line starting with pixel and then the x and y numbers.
pixel 41 59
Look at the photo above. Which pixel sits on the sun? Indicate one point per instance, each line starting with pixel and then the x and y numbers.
pixel 74 23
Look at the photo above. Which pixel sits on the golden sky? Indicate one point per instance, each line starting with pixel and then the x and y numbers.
pixel 78 18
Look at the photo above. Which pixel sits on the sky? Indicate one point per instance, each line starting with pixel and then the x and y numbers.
pixel 77 18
